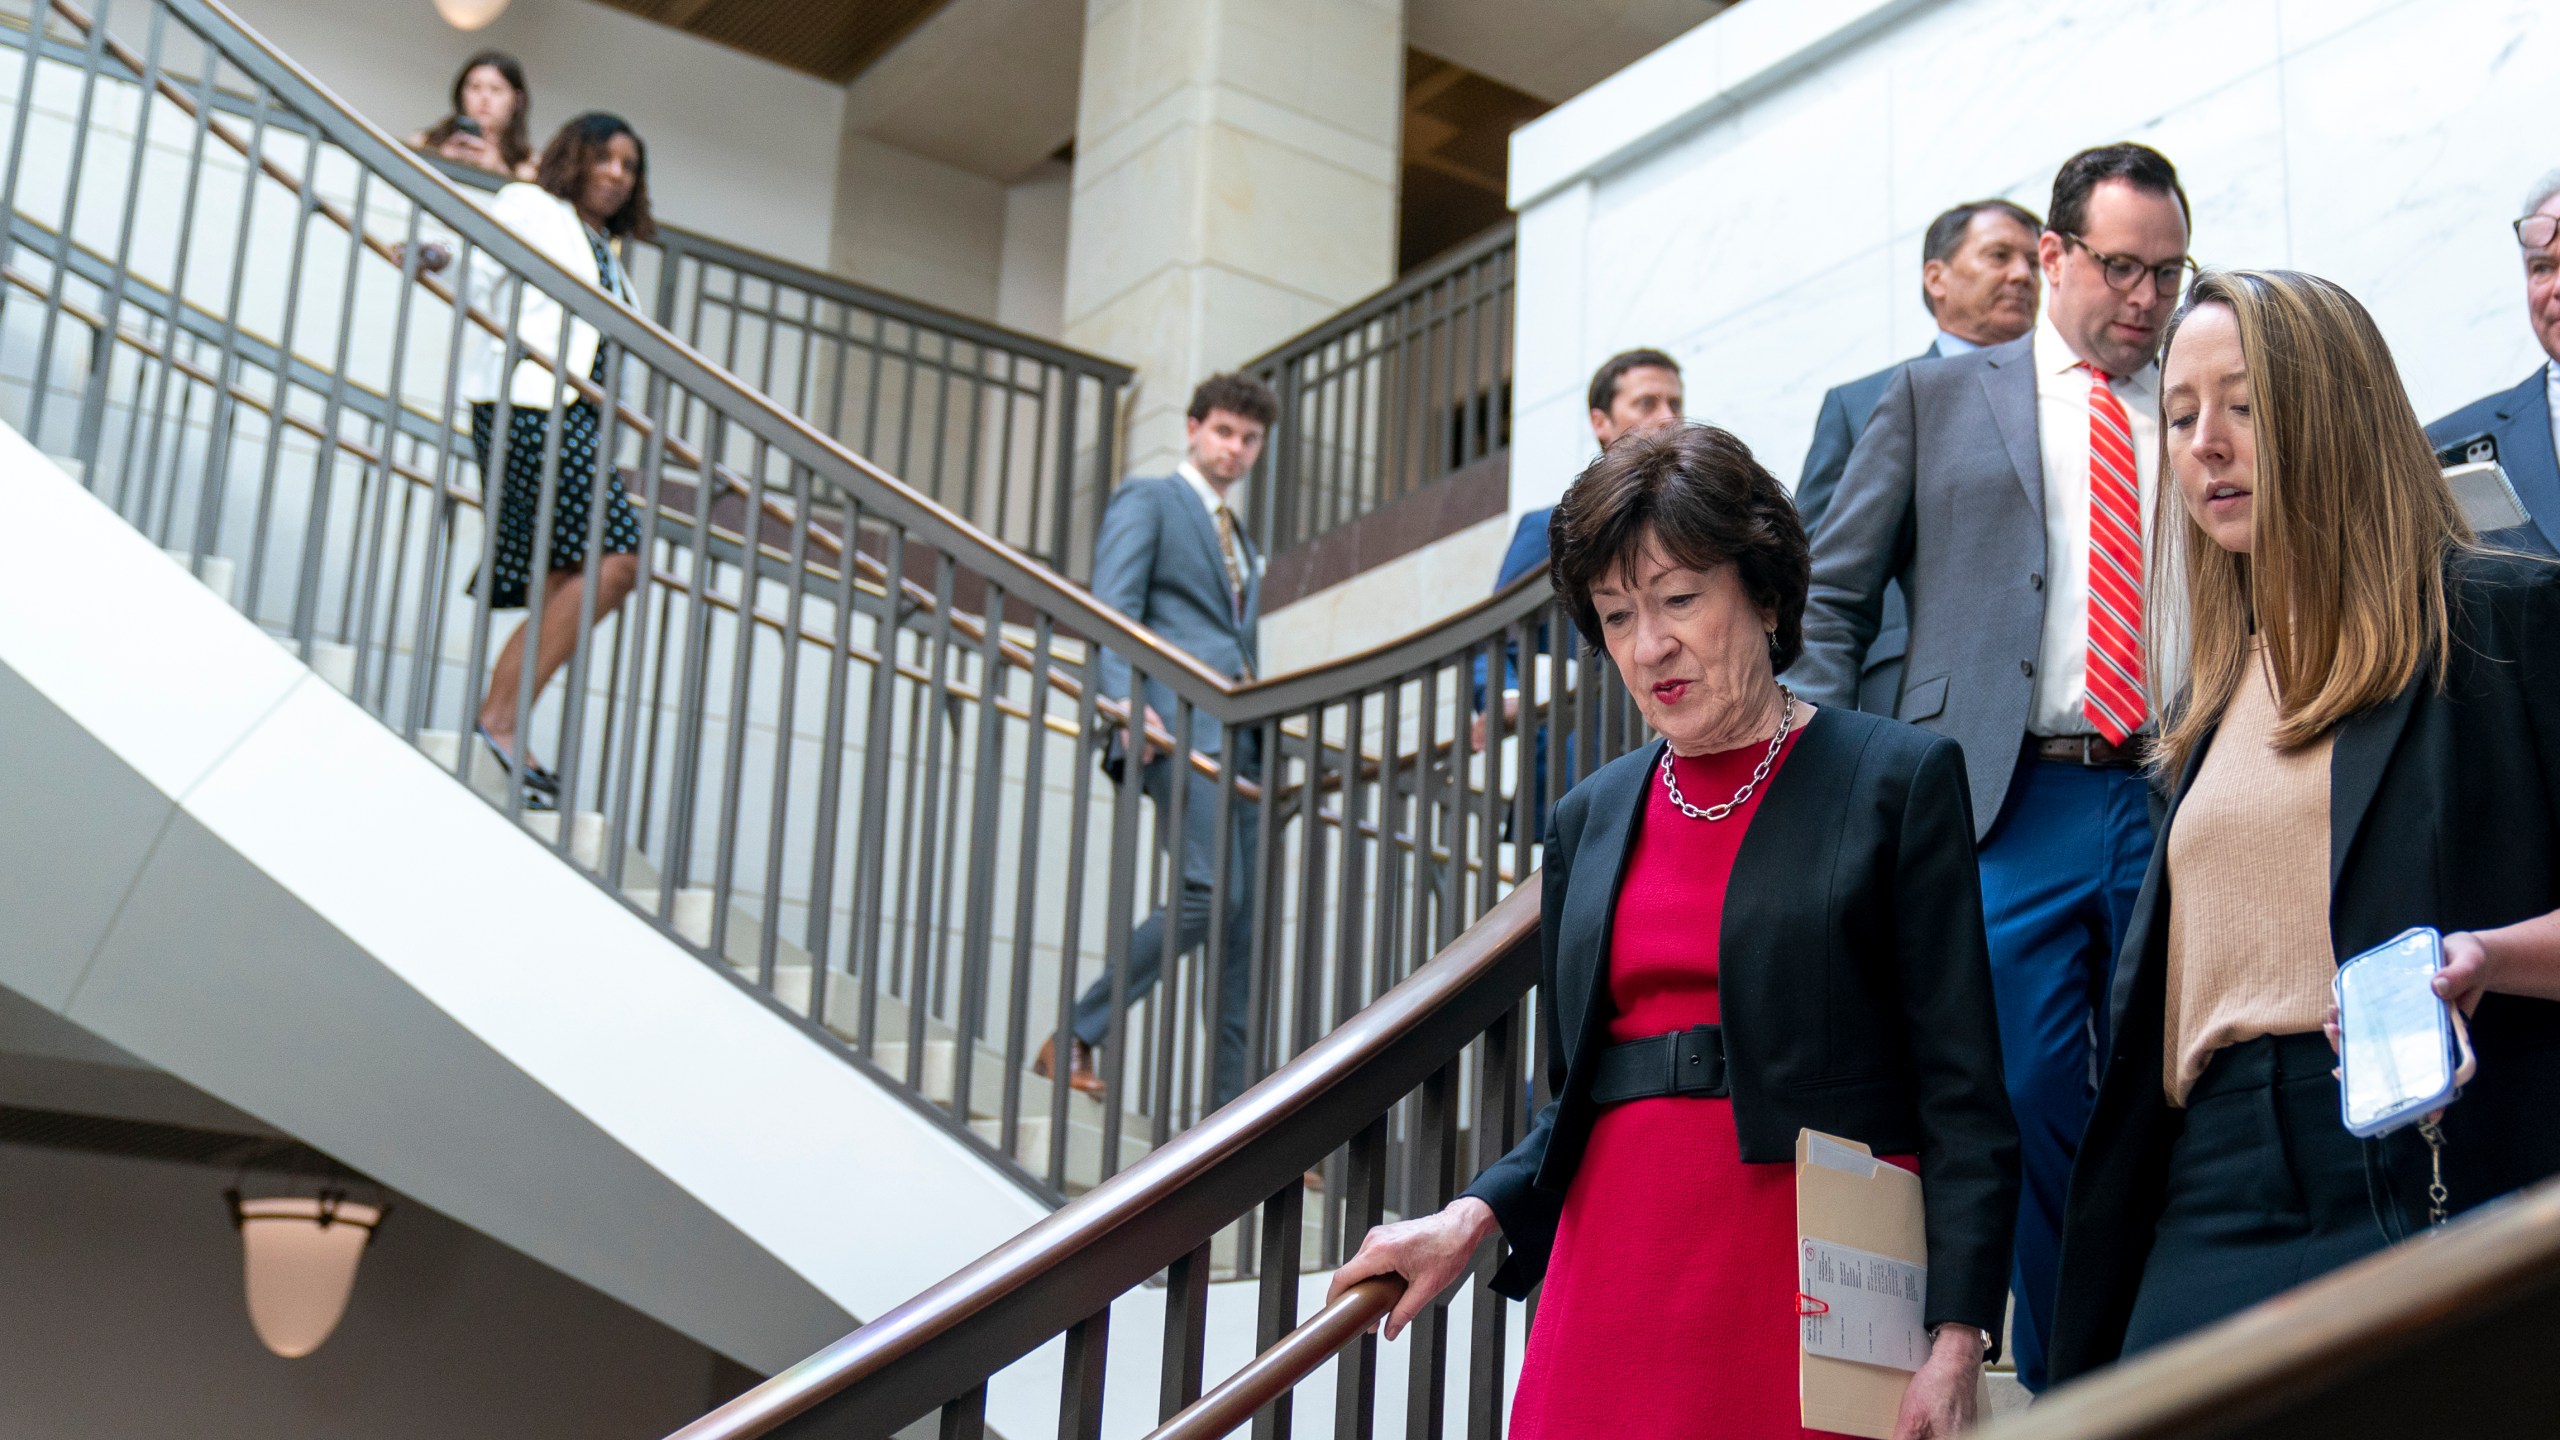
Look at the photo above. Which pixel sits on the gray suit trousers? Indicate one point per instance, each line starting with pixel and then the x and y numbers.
pixel 1194 852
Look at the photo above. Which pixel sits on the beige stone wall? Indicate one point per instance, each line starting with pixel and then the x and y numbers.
pixel 1235 183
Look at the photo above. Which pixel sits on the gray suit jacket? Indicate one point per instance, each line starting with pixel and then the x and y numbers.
pixel 1836 429
pixel 1156 561
pixel 1944 494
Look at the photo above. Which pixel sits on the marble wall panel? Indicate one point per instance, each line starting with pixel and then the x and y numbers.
pixel 2383 143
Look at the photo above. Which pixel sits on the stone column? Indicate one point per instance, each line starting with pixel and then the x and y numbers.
pixel 1235 182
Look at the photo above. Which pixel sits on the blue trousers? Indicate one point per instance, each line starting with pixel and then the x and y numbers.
pixel 2060 870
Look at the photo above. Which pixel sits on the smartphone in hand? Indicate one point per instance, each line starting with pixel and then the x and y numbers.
pixel 2398 1051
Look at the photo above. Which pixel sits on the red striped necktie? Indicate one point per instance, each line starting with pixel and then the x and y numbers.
pixel 2114 701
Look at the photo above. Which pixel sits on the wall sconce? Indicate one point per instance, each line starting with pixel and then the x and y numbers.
pixel 469 14
pixel 299 1257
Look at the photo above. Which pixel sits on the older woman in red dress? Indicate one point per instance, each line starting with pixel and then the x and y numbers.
pixel 1781 907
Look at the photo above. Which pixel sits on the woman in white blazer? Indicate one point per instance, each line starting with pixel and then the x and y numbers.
pixel 590 190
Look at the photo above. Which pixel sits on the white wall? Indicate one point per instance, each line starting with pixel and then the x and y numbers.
pixel 1031 293
pixel 124 1317
pixel 738 147
pixel 918 227
pixel 1751 196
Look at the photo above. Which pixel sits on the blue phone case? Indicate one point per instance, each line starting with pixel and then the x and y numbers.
pixel 2418 1106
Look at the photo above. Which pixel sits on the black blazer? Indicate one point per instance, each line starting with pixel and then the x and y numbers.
pixel 2444 810
pixel 1856 991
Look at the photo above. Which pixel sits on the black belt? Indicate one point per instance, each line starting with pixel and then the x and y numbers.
pixel 2093 751
pixel 1684 1062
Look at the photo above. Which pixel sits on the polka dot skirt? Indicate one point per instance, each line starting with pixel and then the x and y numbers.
pixel 521 496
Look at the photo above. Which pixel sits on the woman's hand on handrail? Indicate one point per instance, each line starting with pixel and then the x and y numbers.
pixel 1430 1253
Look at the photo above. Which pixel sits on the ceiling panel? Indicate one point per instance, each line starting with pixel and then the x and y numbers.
pixel 831 39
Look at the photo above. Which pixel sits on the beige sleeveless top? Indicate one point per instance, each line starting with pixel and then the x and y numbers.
pixel 2249 950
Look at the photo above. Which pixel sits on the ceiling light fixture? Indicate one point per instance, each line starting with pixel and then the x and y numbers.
pixel 469 14
pixel 299 1256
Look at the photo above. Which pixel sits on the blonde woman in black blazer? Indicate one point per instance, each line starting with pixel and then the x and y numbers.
pixel 2443 810
pixel 1852 991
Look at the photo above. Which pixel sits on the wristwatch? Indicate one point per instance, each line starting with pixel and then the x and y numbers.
pixel 1952 1325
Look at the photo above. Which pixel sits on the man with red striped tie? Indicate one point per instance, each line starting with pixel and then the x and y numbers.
pixel 2008 491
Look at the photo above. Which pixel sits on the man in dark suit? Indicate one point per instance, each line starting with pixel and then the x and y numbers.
pixel 1632 390
pixel 2524 423
pixel 1978 278
pixel 1173 556
pixel 2006 490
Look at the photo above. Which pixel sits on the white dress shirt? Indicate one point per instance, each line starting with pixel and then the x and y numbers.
pixel 2551 398
pixel 2062 438
pixel 1216 502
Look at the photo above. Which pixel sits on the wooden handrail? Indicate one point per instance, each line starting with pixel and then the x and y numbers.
pixel 1105 1243
pixel 1276 1371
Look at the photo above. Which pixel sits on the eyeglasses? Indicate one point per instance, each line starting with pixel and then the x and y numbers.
pixel 2535 231
pixel 2123 272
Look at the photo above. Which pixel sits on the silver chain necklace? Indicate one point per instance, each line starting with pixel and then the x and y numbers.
pixel 1786 722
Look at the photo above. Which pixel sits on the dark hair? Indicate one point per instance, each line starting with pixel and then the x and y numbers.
pixel 2140 166
pixel 1698 490
pixel 1239 395
pixel 566 160
pixel 1947 232
pixel 1604 381
pixel 515 143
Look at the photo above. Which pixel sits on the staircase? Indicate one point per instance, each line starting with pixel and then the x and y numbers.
pixel 834 756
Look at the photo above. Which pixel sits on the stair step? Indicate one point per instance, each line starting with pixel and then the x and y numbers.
pixel 220 574
pixel 73 466
pixel 1084 1144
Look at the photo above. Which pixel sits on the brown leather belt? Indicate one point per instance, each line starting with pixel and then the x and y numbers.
pixel 2095 751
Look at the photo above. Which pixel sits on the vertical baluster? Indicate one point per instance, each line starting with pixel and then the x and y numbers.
pixel 1080 1393
pixel 1186 1331
pixel 1435 1143
pixel 1027 871
pixel 40 383
pixel 173 321
pixel 1355 1382
pixel 1276 1294
pixel 1121 913
pixel 785 737
pixel 831 748
pixel 966 1417
pixel 1173 846
pixel 1071 930
pixel 214 486
pixel 987 791
pixel 315 530
pixel 1217 958
pixel 397 372
pixel 685 780
pixel 866 946
pixel 280 396
pixel 537 594
pixel 1499 1101
pixel 93 401
pixel 925 844
pixel 622 816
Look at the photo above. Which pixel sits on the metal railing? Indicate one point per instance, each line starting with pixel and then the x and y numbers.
pixel 1015 434
pixel 1418 1091
pixel 1405 388
pixel 839 741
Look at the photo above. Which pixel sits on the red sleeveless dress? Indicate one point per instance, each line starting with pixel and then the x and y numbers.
pixel 1669 1307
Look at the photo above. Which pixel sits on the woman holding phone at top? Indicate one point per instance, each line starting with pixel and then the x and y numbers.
pixel 490 127
pixel 2367 739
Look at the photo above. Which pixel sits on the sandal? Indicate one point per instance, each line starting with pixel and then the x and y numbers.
pixel 537 781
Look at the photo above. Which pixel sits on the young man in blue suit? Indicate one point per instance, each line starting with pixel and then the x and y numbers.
pixel 1978 278
pixel 1173 556
pixel 2524 423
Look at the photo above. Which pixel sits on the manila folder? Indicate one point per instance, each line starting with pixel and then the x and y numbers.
pixel 1847 1197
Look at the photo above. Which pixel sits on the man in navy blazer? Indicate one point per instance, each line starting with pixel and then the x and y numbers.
pixel 1978 278
pixel 1172 555
pixel 2524 423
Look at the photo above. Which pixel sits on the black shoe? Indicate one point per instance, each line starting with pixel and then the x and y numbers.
pixel 537 781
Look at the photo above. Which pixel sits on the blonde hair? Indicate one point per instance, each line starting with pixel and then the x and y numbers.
pixel 2352 523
